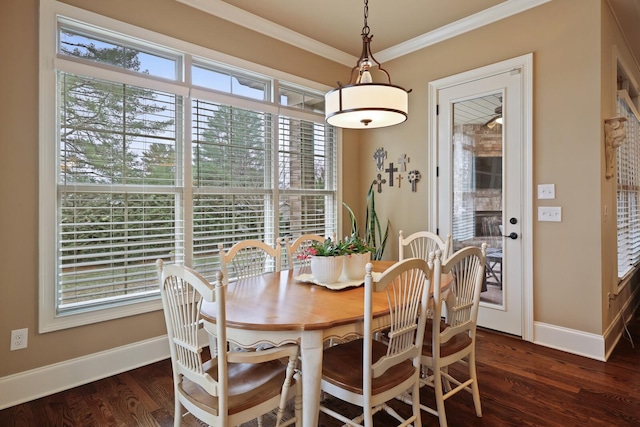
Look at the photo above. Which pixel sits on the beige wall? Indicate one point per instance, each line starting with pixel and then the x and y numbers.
pixel 571 66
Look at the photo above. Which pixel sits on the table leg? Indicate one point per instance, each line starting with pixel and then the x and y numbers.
pixel 311 355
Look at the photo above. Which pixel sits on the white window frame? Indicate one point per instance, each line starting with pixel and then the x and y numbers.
pixel 628 154
pixel 50 11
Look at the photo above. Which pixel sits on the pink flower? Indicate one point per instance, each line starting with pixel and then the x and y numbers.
pixel 307 253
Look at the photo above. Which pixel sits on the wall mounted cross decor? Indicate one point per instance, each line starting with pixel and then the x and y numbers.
pixel 394 171
pixel 390 170
pixel 379 181
pixel 402 161
pixel 379 157
pixel 414 177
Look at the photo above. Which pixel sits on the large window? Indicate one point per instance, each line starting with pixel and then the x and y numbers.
pixel 146 162
pixel 628 188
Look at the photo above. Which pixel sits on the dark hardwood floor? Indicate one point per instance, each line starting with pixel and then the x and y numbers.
pixel 521 384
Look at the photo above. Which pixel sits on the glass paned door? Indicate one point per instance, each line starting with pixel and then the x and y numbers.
pixel 480 195
pixel 477 184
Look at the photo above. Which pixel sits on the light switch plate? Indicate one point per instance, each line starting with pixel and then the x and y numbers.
pixel 550 213
pixel 546 191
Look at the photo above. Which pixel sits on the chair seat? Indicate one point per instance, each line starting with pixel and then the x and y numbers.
pixel 249 385
pixel 342 366
pixel 455 344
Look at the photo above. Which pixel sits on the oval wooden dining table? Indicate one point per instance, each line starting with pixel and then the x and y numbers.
pixel 275 308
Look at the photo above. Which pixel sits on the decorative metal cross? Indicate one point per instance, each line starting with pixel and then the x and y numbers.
pixel 390 170
pixel 399 180
pixel 403 160
pixel 379 157
pixel 414 177
pixel 379 181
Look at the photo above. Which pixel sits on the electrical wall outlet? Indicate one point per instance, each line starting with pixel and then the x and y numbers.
pixel 19 338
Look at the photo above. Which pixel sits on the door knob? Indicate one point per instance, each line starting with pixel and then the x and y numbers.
pixel 511 235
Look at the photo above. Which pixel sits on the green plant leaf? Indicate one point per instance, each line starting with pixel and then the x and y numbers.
pixel 354 221
pixel 373 236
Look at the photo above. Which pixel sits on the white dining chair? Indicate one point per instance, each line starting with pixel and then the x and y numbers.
pixel 421 243
pixel 232 387
pixel 249 258
pixel 367 372
pixel 453 340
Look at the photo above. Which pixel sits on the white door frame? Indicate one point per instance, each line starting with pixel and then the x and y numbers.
pixel 523 63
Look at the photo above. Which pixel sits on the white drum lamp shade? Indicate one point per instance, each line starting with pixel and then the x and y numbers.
pixel 363 103
pixel 366 106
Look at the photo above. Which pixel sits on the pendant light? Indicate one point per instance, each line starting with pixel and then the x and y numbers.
pixel 364 104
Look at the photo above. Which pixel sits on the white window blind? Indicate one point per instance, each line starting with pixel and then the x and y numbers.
pixel 306 177
pixel 628 187
pixel 144 171
pixel 116 193
pixel 233 192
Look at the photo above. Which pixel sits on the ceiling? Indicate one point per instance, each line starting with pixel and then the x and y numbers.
pixel 332 28
pixel 338 23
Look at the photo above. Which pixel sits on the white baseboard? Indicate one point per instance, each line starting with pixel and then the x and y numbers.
pixel 594 346
pixel 569 340
pixel 29 385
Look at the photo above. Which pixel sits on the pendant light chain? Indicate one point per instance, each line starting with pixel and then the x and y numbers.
pixel 365 28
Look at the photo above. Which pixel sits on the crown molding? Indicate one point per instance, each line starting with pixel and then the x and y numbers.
pixel 253 22
pixel 470 23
